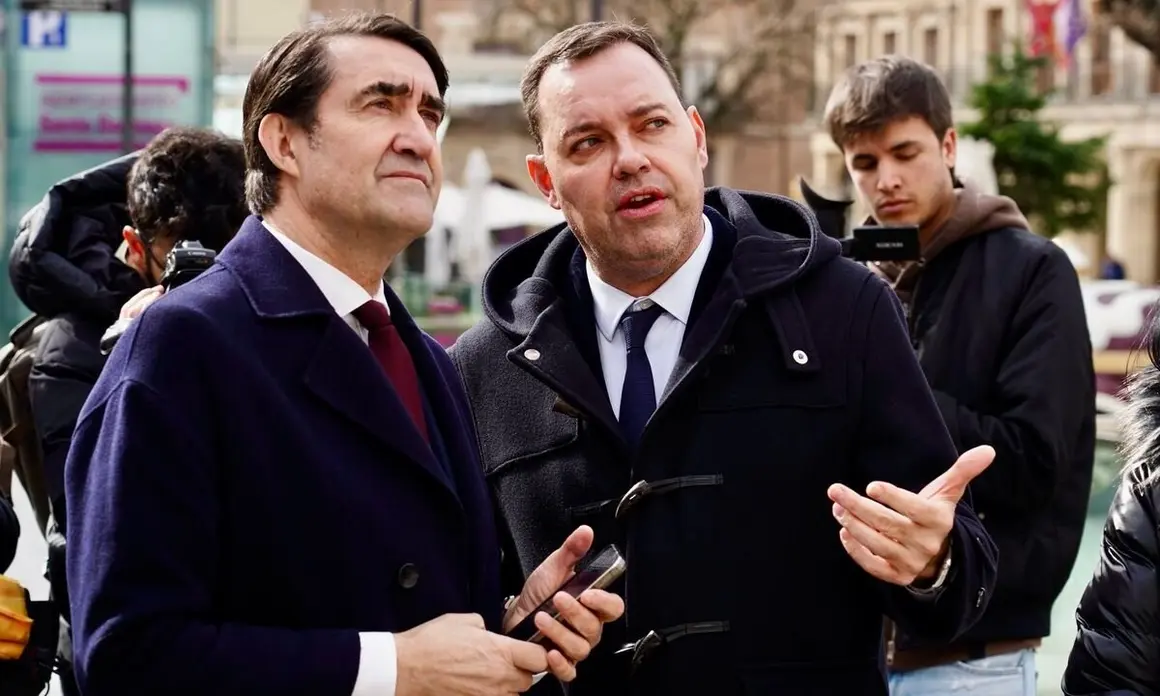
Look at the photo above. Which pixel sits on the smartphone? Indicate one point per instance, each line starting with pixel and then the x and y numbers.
pixel 597 573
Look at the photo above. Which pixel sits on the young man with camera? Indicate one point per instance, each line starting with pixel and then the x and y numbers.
pixel 94 243
pixel 997 320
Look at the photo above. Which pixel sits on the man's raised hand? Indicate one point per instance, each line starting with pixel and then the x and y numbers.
pixel 899 536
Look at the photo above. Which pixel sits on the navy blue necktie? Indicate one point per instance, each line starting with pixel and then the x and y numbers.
pixel 638 397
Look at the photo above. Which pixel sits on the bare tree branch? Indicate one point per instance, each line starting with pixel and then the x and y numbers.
pixel 1140 20
pixel 759 53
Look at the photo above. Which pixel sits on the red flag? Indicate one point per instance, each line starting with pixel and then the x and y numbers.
pixel 1043 28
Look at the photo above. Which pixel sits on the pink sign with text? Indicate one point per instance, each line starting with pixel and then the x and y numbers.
pixel 82 113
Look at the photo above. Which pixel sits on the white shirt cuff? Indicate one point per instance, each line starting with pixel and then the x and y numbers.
pixel 377 665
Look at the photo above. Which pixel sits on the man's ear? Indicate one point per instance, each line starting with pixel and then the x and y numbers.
pixel 538 171
pixel 701 136
pixel 134 249
pixel 274 133
pixel 950 148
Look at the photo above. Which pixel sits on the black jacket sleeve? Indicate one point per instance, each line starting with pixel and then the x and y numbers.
pixel 9 532
pixel 68 363
pixel 1117 645
pixel 903 441
pixel 1044 386
pixel 57 393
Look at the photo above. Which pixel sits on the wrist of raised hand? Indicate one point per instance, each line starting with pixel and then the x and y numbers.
pixel 930 572
pixel 935 575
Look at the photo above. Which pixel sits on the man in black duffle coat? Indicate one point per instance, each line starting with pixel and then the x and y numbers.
pixel 703 379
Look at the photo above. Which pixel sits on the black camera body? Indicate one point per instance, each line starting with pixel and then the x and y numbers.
pixel 186 261
pixel 869 242
pixel 875 243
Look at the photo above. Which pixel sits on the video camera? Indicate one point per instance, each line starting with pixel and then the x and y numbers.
pixel 877 243
pixel 187 260
pixel 868 242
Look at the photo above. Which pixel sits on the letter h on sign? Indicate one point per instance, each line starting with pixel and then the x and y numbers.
pixel 43 29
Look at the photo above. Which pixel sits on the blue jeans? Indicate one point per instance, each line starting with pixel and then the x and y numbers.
pixel 1002 675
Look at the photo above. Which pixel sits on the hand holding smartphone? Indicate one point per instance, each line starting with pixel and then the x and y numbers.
pixel 597 573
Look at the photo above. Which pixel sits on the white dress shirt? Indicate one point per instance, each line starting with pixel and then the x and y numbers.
pixel 377 667
pixel 663 343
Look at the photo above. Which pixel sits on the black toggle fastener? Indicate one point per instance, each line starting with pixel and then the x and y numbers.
pixel 643 489
pixel 652 640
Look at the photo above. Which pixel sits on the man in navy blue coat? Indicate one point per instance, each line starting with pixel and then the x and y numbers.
pixel 261 504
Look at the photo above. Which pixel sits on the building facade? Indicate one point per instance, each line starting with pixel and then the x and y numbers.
pixel 1112 88
pixel 484 94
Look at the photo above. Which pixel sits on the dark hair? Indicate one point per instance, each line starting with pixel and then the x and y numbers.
pixel 292 76
pixel 577 43
pixel 871 95
pixel 1139 447
pixel 188 183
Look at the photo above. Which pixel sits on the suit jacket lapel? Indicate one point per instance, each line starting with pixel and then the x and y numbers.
pixel 458 436
pixel 340 370
pixel 344 374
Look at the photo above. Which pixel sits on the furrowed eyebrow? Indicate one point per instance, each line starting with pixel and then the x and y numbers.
pixel 385 89
pixel 391 90
pixel 642 110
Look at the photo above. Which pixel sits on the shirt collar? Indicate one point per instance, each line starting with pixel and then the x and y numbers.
pixel 340 290
pixel 675 295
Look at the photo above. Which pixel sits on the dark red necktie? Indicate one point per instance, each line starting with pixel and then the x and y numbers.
pixel 392 354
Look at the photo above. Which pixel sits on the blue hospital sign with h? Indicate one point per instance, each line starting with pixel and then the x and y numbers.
pixel 43 29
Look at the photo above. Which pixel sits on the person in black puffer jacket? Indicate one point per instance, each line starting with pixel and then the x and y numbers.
pixel 1117 646
pixel 96 242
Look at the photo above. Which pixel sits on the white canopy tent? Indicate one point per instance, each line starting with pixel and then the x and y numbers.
pixel 499 209
pixel 466 216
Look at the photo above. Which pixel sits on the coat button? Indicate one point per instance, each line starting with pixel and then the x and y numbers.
pixel 532 354
pixel 800 357
pixel 408 576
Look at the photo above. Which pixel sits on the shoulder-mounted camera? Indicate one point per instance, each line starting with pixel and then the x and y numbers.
pixel 187 260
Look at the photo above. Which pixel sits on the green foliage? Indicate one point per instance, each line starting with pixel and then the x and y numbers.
pixel 1059 185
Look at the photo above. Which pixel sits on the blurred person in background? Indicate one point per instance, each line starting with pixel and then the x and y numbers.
pixel 997 320
pixel 93 247
pixel 28 628
pixel 1117 643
